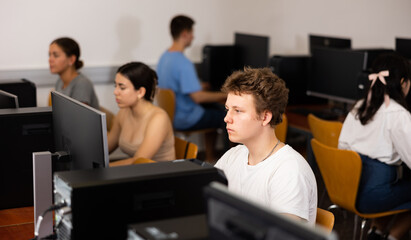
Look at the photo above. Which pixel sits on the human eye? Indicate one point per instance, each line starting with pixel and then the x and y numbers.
pixel 122 87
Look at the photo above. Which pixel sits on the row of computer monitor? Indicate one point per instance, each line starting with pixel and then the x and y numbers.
pixel 76 132
pixel 335 71
pixel 402 45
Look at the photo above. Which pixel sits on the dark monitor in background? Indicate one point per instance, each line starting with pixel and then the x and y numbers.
pixel 22 132
pixel 294 71
pixel 80 131
pixel 372 54
pixel 254 50
pixel 337 74
pixel 23 89
pixel 8 100
pixel 328 42
pixel 230 216
pixel 219 61
pixel 403 47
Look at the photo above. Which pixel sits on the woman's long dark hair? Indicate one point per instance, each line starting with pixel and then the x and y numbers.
pixel 140 75
pixel 399 69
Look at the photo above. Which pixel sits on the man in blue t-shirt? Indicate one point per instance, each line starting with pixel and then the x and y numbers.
pixel 176 72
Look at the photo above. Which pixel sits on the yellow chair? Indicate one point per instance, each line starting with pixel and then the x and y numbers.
pixel 341 172
pixel 325 131
pixel 185 149
pixel 281 129
pixel 109 117
pixel 141 160
pixel 166 100
pixel 325 219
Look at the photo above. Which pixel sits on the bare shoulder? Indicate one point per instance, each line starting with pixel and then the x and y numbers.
pixel 159 114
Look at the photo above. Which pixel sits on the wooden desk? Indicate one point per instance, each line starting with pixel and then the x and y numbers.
pixel 17 223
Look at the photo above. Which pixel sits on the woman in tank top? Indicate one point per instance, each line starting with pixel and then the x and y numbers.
pixel 140 128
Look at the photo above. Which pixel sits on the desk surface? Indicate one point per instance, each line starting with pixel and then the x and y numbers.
pixel 17 223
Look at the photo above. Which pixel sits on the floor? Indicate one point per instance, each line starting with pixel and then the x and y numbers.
pixel 344 220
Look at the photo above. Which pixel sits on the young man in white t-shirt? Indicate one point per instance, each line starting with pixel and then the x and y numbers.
pixel 262 168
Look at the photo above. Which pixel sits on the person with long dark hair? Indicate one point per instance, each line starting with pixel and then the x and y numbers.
pixel 379 129
pixel 140 128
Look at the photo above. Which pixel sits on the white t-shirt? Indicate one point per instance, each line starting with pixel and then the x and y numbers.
pixel 386 137
pixel 283 182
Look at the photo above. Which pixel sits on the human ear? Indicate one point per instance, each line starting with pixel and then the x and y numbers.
pixel 405 85
pixel 72 60
pixel 266 117
pixel 141 92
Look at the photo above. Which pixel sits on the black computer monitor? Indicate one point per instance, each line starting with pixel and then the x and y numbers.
pixel 24 89
pixel 337 74
pixel 231 216
pixel 8 100
pixel 219 62
pixel 328 42
pixel 22 132
pixel 253 49
pixel 403 47
pixel 80 131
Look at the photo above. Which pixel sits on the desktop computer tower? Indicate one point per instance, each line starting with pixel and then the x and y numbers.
pixel 294 70
pixel 23 131
pixel 218 63
pixel 23 89
pixel 102 202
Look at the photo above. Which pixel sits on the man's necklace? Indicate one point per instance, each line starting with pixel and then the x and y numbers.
pixel 271 151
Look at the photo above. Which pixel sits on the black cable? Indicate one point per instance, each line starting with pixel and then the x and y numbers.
pixel 40 219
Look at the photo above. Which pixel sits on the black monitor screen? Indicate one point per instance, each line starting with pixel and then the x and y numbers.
pixel 219 61
pixel 24 90
pixel 232 217
pixel 329 42
pixel 80 131
pixel 253 49
pixel 8 100
pixel 337 74
pixel 23 131
pixel 403 47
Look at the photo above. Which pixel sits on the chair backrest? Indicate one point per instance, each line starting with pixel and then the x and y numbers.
pixel 325 131
pixel 109 117
pixel 341 172
pixel 166 100
pixel 185 149
pixel 281 129
pixel 49 100
pixel 325 219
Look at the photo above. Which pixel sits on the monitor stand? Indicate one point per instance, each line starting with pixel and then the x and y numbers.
pixel 43 191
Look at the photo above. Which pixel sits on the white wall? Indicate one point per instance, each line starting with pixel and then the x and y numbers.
pixel 111 33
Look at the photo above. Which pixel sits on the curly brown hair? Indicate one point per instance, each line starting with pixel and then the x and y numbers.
pixel 268 90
